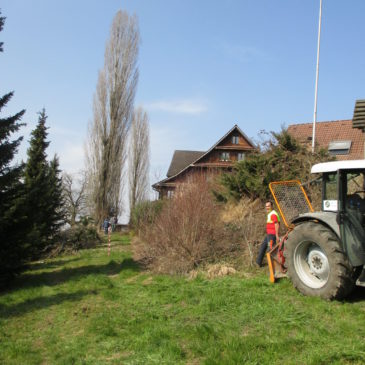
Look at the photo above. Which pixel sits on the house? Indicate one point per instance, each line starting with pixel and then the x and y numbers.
pixel 341 138
pixel 185 165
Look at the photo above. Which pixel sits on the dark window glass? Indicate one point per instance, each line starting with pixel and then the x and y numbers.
pixel 224 156
pixel 235 139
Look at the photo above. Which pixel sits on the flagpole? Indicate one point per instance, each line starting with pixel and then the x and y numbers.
pixel 317 74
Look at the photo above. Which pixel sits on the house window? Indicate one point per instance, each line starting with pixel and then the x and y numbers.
pixel 240 156
pixel 339 147
pixel 234 139
pixel 170 194
pixel 224 156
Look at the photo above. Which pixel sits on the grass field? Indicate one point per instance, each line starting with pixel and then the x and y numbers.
pixel 93 309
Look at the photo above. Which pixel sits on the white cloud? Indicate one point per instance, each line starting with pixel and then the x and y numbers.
pixel 182 106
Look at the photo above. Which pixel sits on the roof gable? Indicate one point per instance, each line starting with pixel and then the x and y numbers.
pixel 225 141
pixel 235 131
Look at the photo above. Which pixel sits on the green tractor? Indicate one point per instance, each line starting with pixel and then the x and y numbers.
pixel 325 250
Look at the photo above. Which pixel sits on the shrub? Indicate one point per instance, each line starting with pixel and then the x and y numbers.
pixel 246 220
pixel 77 237
pixel 281 157
pixel 187 232
pixel 145 213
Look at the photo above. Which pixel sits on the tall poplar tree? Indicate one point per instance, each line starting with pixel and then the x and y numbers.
pixel 12 250
pixel 113 107
pixel 139 162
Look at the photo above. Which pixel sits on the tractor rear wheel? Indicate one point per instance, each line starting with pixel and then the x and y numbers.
pixel 316 264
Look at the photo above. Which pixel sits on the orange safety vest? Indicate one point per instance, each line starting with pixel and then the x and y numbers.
pixel 272 218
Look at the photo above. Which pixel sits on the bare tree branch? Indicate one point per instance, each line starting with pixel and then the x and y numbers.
pixel 74 194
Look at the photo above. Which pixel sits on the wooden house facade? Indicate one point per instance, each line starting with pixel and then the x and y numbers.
pixel 186 165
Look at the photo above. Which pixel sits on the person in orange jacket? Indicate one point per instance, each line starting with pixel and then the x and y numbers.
pixel 272 231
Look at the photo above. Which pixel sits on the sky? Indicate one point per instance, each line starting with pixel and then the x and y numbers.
pixel 205 65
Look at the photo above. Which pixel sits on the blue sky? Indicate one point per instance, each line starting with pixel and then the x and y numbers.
pixel 204 66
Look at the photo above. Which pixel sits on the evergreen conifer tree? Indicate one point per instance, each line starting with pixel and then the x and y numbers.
pixel 56 212
pixel 39 188
pixel 12 248
pixel 2 21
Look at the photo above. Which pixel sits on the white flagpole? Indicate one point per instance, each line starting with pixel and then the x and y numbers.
pixel 317 73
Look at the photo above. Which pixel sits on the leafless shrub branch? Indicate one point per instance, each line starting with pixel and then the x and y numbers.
pixel 187 232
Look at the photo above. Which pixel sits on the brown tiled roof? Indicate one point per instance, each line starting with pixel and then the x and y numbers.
pixel 182 159
pixel 326 132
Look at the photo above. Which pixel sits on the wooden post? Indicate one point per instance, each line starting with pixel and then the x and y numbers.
pixel 271 264
pixel 271 268
pixel 109 238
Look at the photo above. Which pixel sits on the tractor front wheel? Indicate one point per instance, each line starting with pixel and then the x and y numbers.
pixel 316 264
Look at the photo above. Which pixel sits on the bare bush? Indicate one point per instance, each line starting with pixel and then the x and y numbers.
pixel 246 221
pixel 192 230
pixel 187 232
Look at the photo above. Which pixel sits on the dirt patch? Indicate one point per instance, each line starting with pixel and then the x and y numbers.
pixel 213 271
pixel 148 281
pixel 132 279
pixel 220 270
pixel 119 355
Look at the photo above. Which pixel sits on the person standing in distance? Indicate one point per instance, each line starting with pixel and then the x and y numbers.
pixel 272 231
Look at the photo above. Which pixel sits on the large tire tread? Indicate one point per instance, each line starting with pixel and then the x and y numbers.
pixel 341 279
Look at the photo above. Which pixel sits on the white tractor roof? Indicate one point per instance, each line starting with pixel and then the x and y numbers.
pixel 337 165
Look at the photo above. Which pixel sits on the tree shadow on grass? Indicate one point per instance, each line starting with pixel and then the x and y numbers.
pixel 37 303
pixel 58 277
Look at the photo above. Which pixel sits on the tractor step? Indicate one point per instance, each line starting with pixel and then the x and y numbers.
pixel 360 283
pixel 361 280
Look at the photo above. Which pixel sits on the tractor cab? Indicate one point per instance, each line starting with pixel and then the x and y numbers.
pixel 343 189
pixel 343 193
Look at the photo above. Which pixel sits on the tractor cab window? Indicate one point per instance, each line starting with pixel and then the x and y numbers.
pixel 355 195
pixel 330 198
pixel 355 183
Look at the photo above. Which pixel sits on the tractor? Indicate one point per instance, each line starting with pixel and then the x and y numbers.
pixel 324 251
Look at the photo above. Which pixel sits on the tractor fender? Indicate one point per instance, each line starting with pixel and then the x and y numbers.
pixel 354 247
pixel 328 219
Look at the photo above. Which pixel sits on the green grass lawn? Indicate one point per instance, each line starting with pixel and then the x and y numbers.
pixel 93 309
